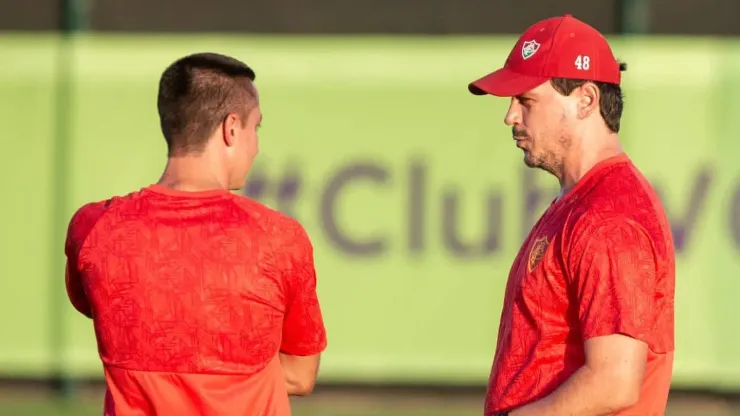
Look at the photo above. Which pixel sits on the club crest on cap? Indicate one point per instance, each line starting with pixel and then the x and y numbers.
pixel 529 48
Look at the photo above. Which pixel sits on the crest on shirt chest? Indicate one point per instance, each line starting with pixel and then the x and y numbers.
pixel 537 252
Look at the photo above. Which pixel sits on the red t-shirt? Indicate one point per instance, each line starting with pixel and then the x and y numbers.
pixel 599 261
pixel 192 296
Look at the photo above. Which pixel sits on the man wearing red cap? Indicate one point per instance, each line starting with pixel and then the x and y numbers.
pixel 587 326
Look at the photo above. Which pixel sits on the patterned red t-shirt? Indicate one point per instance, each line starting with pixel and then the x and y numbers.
pixel 192 296
pixel 599 261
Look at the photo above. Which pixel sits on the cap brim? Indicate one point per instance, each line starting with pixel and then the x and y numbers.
pixel 505 83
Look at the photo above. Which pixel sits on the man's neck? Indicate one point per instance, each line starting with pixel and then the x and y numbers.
pixel 581 162
pixel 191 174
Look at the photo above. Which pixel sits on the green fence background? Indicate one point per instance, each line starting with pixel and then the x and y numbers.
pixel 413 193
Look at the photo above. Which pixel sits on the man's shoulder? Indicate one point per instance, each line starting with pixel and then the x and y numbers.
pixel 83 221
pixel 622 201
pixel 88 214
pixel 276 225
pixel 92 211
pixel 622 194
pixel 637 226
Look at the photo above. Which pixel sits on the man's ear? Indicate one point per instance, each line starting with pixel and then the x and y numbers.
pixel 229 126
pixel 589 98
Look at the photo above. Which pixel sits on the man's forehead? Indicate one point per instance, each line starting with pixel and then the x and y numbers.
pixel 528 94
pixel 540 91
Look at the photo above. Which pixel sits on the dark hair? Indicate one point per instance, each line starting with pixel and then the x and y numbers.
pixel 196 94
pixel 611 102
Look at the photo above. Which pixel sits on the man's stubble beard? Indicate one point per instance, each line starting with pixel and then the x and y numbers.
pixel 551 162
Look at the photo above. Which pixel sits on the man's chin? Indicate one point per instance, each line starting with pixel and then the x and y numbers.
pixel 529 161
pixel 536 164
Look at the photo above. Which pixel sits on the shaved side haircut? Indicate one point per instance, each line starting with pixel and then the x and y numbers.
pixel 196 94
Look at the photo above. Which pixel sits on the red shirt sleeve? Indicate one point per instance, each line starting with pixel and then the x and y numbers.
pixel 616 280
pixel 75 291
pixel 303 327
pixel 80 226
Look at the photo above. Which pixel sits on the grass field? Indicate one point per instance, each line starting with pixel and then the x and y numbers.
pixel 331 403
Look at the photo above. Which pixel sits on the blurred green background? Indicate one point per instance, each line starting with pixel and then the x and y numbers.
pixel 364 140
pixel 411 189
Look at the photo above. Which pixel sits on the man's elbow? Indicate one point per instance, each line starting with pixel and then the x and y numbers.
pixel 300 373
pixel 623 392
pixel 624 401
pixel 302 387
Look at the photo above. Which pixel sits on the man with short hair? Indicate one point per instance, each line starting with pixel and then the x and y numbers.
pixel 587 326
pixel 203 301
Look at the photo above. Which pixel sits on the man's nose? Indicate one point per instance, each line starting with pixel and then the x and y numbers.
pixel 513 115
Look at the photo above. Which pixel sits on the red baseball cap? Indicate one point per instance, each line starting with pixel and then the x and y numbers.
pixel 558 47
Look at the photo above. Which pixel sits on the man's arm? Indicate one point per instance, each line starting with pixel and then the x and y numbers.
pixel 304 334
pixel 613 272
pixel 300 373
pixel 79 228
pixel 610 381
pixel 75 291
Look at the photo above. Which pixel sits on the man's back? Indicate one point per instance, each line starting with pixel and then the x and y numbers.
pixel 193 295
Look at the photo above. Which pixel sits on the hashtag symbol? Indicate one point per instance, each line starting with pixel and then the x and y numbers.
pixel 285 190
pixel 256 186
